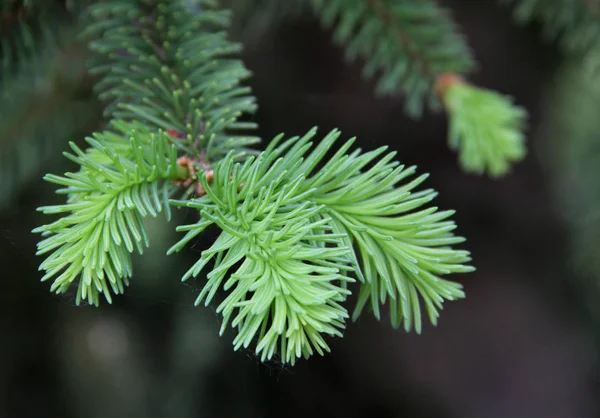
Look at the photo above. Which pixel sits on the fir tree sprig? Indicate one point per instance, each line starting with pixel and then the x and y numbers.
pixel 412 46
pixel 160 72
pixel 406 44
pixel 486 128
pixel 296 227
pixel 573 24
pixel 289 285
pixel 103 221
pixel 351 215
pixel 172 72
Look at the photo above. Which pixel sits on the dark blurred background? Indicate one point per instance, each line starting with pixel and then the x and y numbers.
pixel 523 344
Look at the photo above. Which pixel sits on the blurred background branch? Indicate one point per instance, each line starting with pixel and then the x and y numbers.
pixel 45 93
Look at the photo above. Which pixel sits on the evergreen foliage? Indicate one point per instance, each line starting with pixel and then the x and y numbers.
pixel 171 72
pixel 571 113
pixel 407 44
pixel 151 85
pixel 573 24
pixel 485 128
pixel 102 221
pixel 297 230
pixel 413 46
pixel 297 227
pixel 39 110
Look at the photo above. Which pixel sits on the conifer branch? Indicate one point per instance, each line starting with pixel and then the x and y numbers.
pixel 485 127
pixel 296 228
pixel 407 44
pixel 39 111
pixel 161 71
pixel 103 220
pixel 415 47
pixel 575 24
pixel 344 217
pixel 155 68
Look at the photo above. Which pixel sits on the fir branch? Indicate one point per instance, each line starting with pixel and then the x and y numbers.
pixel 293 235
pixel 161 71
pixel 416 47
pixel 287 288
pixel 485 127
pixel 570 109
pixel 38 108
pixel 408 42
pixel 574 24
pixel 360 217
pixel 103 221
pixel 173 72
